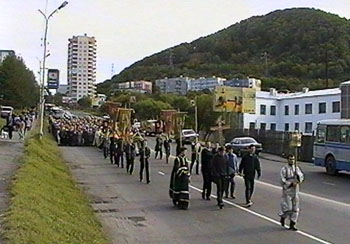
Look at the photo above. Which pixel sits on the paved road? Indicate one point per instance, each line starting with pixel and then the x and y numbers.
pixel 10 152
pixel 134 212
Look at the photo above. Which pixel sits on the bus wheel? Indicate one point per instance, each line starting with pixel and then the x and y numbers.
pixel 331 168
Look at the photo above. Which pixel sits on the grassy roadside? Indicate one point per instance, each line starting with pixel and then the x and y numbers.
pixel 2 122
pixel 46 205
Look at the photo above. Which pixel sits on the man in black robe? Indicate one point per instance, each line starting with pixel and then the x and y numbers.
pixel 179 181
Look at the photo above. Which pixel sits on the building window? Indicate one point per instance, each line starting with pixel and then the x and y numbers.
pixel 322 108
pixel 273 126
pixel 296 109
pixel 262 109
pixel 286 127
pixel 262 126
pixel 336 107
pixel 296 127
pixel 251 125
pixel 308 127
pixel 286 110
pixel 272 110
pixel 308 108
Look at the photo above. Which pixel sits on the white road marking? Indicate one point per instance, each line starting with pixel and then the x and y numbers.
pixel 327 183
pixel 161 173
pixel 266 218
pixel 343 204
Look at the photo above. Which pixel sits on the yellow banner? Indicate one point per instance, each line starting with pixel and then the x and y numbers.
pixel 124 120
pixel 167 117
pixel 234 99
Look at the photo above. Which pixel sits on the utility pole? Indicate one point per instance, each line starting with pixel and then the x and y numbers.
pixel 266 57
pixel 326 67
pixel 171 58
pixel 42 82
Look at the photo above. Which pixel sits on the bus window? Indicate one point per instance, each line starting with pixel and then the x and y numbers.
pixel 333 133
pixel 321 135
pixel 345 134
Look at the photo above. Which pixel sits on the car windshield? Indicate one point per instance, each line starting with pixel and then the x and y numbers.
pixel 188 132
pixel 247 141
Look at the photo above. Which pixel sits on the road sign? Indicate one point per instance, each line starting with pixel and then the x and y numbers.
pixel 53 78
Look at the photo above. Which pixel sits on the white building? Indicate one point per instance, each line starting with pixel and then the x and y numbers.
pixel 298 111
pixel 98 100
pixel 81 73
pixel 205 83
pixel 140 86
pixel 248 82
pixel 177 85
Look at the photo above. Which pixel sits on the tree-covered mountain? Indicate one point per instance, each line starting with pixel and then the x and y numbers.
pixel 287 49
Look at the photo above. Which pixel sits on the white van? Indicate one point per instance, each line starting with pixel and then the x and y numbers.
pixel 6 111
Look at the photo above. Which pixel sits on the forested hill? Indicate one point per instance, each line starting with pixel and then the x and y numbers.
pixel 298 44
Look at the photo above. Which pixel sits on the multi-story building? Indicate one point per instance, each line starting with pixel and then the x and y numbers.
pixel 140 86
pixel 5 53
pixel 249 82
pixel 81 73
pixel 298 111
pixel 205 83
pixel 177 85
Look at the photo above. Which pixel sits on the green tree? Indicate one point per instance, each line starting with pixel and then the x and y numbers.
pixel 150 108
pixel 85 102
pixel 18 86
pixel 206 116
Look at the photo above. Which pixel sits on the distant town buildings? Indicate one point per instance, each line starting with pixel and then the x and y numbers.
pixel 205 83
pixel 140 86
pixel 81 73
pixel 5 53
pixel 299 111
pixel 63 89
pixel 248 82
pixel 177 85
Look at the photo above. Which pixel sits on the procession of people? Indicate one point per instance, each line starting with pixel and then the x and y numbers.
pixel 218 164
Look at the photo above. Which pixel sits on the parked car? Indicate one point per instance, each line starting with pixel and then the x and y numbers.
pixel 189 135
pixel 6 111
pixel 241 145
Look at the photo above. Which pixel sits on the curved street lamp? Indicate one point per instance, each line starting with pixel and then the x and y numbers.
pixel 42 85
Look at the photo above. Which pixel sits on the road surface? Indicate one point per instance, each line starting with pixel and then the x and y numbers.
pixel 134 212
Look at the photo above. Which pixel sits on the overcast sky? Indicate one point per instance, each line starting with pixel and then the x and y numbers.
pixel 128 30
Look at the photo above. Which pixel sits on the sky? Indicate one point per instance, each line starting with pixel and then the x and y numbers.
pixel 127 30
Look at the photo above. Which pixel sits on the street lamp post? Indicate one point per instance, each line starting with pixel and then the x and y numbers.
pixel 42 82
pixel 194 104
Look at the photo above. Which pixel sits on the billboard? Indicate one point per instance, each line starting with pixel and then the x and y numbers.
pixel 234 99
pixel 53 78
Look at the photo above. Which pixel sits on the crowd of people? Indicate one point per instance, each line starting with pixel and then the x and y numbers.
pixel 22 123
pixel 219 165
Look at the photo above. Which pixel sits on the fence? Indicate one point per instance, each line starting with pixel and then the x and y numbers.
pixel 274 142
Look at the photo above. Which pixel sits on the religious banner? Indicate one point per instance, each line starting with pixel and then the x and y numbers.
pixel 178 122
pixel 124 121
pixel 234 99
pixel 167 116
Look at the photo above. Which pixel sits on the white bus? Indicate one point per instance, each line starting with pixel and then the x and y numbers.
pixel 332 145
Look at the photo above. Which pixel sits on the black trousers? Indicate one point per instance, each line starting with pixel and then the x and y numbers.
pixel 112 156
pixel 194 161
pixel 220 186
pixel 105 151
pixel 249 188
pixel 119 159
pixel 130 165
pixel 10 130
pixel 206 184
pixel 144 165
pixel 230 184
pixel 160 152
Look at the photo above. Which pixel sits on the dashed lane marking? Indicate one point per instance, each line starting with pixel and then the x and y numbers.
pixel 161 173
pixel 266 218
pixel 343 204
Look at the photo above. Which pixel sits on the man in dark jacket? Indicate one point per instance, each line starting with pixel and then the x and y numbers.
pixel 145 153
pixel 249 165
pixel 219 171
pixel 207 156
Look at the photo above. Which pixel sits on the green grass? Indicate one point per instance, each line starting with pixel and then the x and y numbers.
pixel 2 122
pixel 46 205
